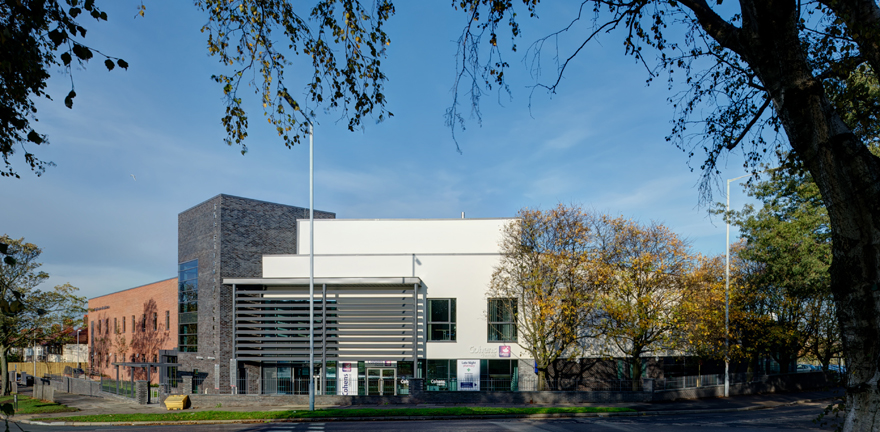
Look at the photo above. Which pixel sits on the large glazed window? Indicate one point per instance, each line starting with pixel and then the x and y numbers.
pixel 441 319
pixel 502 320
pixel 188 305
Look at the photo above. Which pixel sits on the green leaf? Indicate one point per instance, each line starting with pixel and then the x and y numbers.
pixel 66 58
pixel 90 4
pixel 122 63
pixel 74 12
pixel 82 52
pixel 34 137
pixel 57 37
pixel 68 101
pixel 110 65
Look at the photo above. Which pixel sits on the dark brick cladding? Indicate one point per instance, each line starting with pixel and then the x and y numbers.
pixel 229 235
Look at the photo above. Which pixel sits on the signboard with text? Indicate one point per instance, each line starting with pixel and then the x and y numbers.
pixel 469 375
pixel 347 379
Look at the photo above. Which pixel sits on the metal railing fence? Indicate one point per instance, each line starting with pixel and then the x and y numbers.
pixel 121 388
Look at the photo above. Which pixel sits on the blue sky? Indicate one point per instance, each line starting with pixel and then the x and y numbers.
pixel 599 143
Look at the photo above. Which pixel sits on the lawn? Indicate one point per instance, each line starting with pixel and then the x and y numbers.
pixel 28 405
pixel 356 412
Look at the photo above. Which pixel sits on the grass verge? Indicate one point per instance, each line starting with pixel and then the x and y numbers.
pixel 355 412
pixel 27 405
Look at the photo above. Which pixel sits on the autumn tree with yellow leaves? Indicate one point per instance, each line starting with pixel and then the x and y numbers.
pixel 650 273
pixel 547 283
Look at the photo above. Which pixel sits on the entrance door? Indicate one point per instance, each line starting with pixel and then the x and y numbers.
pixel 382 381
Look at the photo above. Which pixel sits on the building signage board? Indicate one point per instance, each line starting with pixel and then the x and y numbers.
pixel 504 351
pixel 346 379
pixel 469 375
pixel 233 373
pixel 216 376
pixel 380 363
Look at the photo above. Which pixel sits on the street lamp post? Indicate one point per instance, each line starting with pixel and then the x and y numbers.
pixel 727 289
pixel 311 268
pixel 727 295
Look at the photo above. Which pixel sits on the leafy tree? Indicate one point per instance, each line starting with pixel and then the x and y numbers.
pixel 345 49
pixel 29 314
pixel 700 317
pixel 36 37
pixel 650 272
pixel 750 72
pixel 789 240
pixel 547 280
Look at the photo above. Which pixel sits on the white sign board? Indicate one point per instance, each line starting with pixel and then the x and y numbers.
pixel 468 375
pixel 347 379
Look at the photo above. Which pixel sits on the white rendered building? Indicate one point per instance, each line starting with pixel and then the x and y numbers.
pixel 389 294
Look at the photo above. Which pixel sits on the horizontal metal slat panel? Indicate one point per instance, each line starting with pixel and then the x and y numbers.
pixel 318 312
pixel 368 354
pixel 330 292
pixel 388 320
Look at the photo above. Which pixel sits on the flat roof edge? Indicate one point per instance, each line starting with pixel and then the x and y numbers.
pixel 394 280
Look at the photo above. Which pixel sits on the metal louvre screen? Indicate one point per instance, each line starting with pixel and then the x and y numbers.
pixel 351 323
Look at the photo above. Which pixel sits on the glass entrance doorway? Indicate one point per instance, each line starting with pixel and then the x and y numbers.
pixel 381 381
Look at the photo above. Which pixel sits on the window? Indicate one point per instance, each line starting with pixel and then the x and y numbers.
pixel 99 326
pixel 441 319
pixel 155 321
pixel 188 304
pixel 144 322
pixel 106 325
pixel 133 324
pixel 502 320
pixel 123 324
pixel 167 320
pixel 115 326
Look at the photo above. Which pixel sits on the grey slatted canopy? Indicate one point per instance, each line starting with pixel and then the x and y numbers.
pixel 358 318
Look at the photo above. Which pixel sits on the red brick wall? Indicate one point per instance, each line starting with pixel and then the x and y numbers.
pixel 108 344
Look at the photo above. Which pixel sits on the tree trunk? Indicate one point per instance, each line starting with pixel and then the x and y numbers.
pixel 848 176
pixel 542 378
pixel 636 372
pixel 4 369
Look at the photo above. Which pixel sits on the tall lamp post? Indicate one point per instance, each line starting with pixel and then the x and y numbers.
pixel 311 268
pixel 727 290
pixel 727 295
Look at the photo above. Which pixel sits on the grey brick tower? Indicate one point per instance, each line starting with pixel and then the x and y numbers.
pixel 227 236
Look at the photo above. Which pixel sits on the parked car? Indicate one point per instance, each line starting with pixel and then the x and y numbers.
pixel 804 368
pixel 838 369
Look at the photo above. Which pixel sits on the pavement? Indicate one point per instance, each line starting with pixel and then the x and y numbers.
pixel 89 405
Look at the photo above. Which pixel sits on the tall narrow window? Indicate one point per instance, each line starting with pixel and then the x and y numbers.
pixel 167 320
pixel 441 319
pixel 133 325
pixel 123 324
pixel 502 320
pixel 115 327
pixel 188 304
pixel 155 321
pixel 144 322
